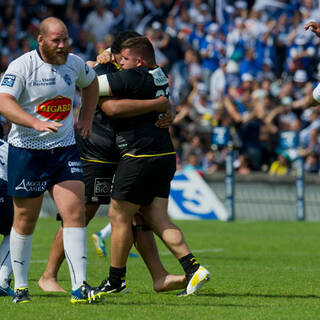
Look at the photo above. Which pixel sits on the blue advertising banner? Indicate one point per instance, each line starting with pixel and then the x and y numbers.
pixel 191 198
pixel 288 139
pixel 220 136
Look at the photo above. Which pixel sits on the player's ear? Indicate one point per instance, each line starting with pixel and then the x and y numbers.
pixel 40 38
pixel 139 62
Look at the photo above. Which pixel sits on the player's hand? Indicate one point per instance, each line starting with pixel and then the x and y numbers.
pixel 314 27
pixel 105 57
pixel 162 104
pixel 85 128
pixel 49 126
pixel 167 119
pixel 91 63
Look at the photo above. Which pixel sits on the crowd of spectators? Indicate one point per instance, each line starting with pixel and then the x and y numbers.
pixel 244 65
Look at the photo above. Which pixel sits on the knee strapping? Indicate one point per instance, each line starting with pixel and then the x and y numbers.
pixel 139 228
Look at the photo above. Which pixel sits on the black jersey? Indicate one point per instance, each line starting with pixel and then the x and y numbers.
pixel 101 144
pixel 138 136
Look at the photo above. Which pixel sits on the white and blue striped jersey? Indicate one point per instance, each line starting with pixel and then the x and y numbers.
pixel 46 92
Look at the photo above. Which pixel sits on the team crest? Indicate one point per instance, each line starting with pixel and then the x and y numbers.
pixel 55 109
pixel 67 79
pixel 8 80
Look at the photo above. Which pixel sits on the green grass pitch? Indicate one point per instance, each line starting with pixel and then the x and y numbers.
pixel 260 270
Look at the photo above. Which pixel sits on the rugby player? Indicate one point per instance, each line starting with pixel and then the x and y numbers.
pixel 36 95
pixel 100 157
pixel 6 220
pixel 146 167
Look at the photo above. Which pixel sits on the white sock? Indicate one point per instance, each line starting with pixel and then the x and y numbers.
pixel 75 249
pixel 5 262
pixel 106 231
pixel 20 249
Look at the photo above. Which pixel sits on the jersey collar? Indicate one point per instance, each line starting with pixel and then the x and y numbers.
pixel 117 66
pixel 38 51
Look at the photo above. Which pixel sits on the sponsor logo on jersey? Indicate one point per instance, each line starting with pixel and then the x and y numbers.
pixel 101 186
pixel 43 82
pixel 94 199
pixel 8 80
pixel 159 77
pixel 67 79
pixel 55 109
pixel 31 185
pixel 75 166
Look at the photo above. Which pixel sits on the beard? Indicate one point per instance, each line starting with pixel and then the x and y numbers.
pixel 55 56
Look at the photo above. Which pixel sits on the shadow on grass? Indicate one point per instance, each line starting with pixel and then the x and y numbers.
pixel 197 301
pixel 175 301
pixel 213 295
pixel 185 302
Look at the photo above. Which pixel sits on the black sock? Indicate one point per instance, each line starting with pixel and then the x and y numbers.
pixel 189 263
pixel 117 275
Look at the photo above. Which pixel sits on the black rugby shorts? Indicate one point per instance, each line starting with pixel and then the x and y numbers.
pixel 140 179
pixel 97 178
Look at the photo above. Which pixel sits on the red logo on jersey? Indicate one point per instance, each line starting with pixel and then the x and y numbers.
pixel 55 109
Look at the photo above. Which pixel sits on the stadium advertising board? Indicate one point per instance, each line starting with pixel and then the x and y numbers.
pixel 191 198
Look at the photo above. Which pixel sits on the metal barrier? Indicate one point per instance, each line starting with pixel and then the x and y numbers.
pixel 259 196
pixel 221 136
pixel 288 141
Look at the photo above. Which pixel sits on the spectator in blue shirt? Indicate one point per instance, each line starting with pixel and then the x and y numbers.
pixel 211 50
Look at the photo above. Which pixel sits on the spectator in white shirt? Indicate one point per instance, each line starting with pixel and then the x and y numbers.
pixel 218 83
pixel 99 22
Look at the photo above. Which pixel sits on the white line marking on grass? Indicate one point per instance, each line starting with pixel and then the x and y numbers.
pixel 38 261
pixel 164 253
pixel 209 250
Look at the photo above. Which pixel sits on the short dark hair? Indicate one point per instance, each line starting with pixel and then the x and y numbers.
pixel 120 38
pixel 141 46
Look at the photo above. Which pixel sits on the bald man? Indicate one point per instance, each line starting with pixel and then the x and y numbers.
pixel 36 95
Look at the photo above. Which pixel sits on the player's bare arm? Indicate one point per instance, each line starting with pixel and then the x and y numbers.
pixel 127 107
pixel 124 108
pixel 11 110
pixel 314 27
pixel 89 101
